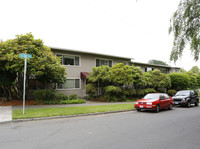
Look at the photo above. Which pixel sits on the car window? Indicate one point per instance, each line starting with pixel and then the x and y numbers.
pixel 182 93
pixel 152 96
pixel 162 97
pixel 192 93
pixel 166 96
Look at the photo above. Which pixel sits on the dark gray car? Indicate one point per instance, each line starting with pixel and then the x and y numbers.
pixel 186 98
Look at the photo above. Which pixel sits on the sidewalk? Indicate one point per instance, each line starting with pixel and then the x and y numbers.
pixel 5 114
pixel 88 103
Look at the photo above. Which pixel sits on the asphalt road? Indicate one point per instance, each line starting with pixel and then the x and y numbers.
pixel 175 129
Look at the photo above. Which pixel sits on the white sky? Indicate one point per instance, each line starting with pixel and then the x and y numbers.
pixel 115 27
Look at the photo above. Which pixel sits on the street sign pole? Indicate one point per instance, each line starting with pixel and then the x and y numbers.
pixel 24 55
pixel 24 93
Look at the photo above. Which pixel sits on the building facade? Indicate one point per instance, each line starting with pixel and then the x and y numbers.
pixel 79 64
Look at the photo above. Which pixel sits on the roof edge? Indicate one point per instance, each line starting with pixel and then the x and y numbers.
pixel 86 52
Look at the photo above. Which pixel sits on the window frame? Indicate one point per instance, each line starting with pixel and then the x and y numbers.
pixel 104 60
pixel 70 55
pixel 74 84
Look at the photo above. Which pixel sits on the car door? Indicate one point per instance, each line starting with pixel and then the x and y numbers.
pixel 192 97
pixel 167 100
pixel 162 101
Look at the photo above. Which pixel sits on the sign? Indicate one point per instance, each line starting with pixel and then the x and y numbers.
pixel 24 55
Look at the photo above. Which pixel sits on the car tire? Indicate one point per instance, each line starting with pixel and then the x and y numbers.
pixel 188 104
pixel 157 108
pixel 138 110
pixel 197 103
pixel 170 107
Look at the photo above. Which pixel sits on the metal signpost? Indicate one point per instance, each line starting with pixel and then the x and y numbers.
pixel 24 55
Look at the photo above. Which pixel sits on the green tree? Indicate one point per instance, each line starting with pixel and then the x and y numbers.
pixel 185 26
pixel 7 81
pixel 179 81
pixel 182 70
pixel 138 77
pixel 157 62
pixel 43 65
pixel 121 74
pixel 156 79
pixel 195 70
pixel 99 77
pixel 193 79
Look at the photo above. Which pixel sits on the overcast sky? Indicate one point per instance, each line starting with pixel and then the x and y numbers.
pixel 129 28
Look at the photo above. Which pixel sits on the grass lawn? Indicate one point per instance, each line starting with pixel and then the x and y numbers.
pixel 61 111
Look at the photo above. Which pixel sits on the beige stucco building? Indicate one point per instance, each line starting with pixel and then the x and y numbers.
pixel 79 64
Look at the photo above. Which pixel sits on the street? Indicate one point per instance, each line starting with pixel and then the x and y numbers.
pixel 175 129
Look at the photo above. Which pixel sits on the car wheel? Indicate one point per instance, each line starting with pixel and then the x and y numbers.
pixel 188 104
pixel 170 107
pixel 197 103
pixel 157 109
pixel 138 110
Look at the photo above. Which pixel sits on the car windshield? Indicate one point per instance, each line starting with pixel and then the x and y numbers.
pixel 183 93
pixel 152 96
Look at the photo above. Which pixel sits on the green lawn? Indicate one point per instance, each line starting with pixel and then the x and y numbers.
pixel 61 111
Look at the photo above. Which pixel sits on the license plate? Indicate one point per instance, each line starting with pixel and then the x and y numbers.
pixel 141 107
pixel 176 103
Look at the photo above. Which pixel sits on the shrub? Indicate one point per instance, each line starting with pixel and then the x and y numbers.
pixel 132 92
pixel 125 92
pixel 45 95
pixel 171 92
pixel 113 93
pixel 129 92
pixel 179 81
pixel 76 101
pixel 73 97
pixel 140 92
pixel 149 90
pixel 91 90
pixel 61 96
pixel 112 90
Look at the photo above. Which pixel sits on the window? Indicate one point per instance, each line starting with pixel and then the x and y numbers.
pixel 69 60
pixel 166 96
pixel 70 84
pixel 148 69
pixel 100 62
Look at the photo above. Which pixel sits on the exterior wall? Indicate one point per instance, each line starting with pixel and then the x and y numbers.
pixel 87 62
pixel 163 69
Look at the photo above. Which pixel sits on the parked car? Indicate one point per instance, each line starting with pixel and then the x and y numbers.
pixel 154 101
pixel 186 98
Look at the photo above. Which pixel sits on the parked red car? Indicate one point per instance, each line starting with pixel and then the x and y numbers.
pixel 154 101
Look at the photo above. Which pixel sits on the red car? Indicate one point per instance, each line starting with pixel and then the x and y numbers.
pixel 154 101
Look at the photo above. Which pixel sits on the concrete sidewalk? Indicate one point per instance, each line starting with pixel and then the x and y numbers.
pixel 5 114
pixel 88 103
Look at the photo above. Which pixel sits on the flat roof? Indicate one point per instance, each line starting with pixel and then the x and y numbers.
pixel 92 53
pixel 154 65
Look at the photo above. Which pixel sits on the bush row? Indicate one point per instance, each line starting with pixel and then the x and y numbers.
pixel 53 97
pixel 114 93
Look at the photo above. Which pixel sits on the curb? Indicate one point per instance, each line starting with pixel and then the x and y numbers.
pixel 67 116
